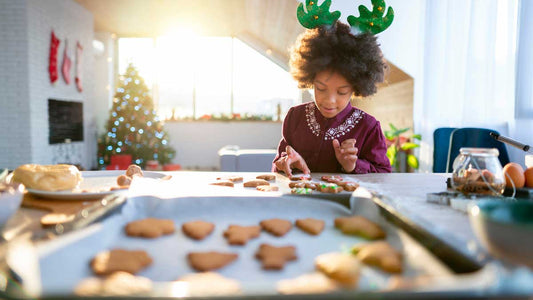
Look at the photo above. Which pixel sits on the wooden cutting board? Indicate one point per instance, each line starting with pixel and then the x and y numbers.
pixel 59 211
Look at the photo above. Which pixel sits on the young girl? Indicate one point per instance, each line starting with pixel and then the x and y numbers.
pixel 330 135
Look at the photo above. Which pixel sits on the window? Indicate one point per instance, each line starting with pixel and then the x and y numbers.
pixel 195 77
pixel 524 78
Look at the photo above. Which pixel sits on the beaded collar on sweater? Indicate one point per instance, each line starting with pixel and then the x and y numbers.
pixel 333 132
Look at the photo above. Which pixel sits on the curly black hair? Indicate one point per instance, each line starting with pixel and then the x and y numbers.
pixel 357 58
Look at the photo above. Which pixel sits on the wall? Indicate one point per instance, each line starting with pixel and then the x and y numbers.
pixel 14 104
pixel 28 35
pixel 104 80
pixel 197 143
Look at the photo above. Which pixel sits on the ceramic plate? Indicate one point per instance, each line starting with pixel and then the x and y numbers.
pixel 95 185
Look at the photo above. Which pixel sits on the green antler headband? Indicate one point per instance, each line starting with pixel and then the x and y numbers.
pixel 317 15
pixel 368 21
pixel 372 21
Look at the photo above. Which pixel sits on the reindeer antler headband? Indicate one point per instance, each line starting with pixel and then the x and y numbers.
pixel 368 21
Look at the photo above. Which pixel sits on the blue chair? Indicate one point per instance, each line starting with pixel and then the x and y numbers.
pixel 474 137
pixel 441 145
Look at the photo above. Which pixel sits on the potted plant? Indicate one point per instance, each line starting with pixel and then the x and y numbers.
pixel 400 149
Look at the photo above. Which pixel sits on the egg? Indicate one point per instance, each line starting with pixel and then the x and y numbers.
pixel 528 174
pixel 515 172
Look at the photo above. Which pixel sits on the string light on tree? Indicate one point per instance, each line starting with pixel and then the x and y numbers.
pixel 133 126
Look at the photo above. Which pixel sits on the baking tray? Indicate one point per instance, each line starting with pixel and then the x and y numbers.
pixel 63 263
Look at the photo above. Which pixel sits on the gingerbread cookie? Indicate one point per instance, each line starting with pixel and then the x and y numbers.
pixel 207 261
pixel 360 226
pixel 267 188
pixel 131 261
pixel 296 184
pixel 223 183
pixel 310 225
pixel 210 284
pixel 329 188
pixel 197 230
pixel 124 181
pixel 150 228
pixel 399 282
pixel 331 178
pixel 239 235
pixel 277 227
pixel 311 185
pixel 349 186
pixel 301 191
pixel 314 283
pixel 297 177
pixel 116 284
pixel 342 267
pixel 233 178
pixel 267 177
pixel 274 258
pixel 255 183
pixel 134 170
pixel 380 254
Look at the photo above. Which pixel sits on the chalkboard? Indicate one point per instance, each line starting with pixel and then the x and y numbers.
pixel 65 121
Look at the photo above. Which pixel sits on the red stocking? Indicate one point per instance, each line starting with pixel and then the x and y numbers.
pixel 65 68
pixel 77 78
pixel 52 60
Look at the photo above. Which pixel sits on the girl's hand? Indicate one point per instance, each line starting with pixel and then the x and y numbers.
pixel 346 154
pixel 292 160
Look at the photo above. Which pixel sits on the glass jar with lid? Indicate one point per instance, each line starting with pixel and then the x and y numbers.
pixel 478 171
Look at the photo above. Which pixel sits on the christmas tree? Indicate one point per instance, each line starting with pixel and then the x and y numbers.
pixel 133 126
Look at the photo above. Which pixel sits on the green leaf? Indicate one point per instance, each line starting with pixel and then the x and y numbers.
pixel 389 135
pixel 392 127
pixel 412 161
pixel 391 154
pixel 407 146
pixel 400 131
pixel 417 136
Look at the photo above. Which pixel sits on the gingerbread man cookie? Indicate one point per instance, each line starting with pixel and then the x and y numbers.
pixel 329 188
pixel 331 178
pixel 301 191
pixel 349 186
pixel 296 184
pixel 239 235
pixel 274 258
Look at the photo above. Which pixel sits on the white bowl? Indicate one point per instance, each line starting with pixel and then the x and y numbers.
pixel 11 195
pixel 505 229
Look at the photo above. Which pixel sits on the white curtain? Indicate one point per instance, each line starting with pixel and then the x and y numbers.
pixel 468 68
